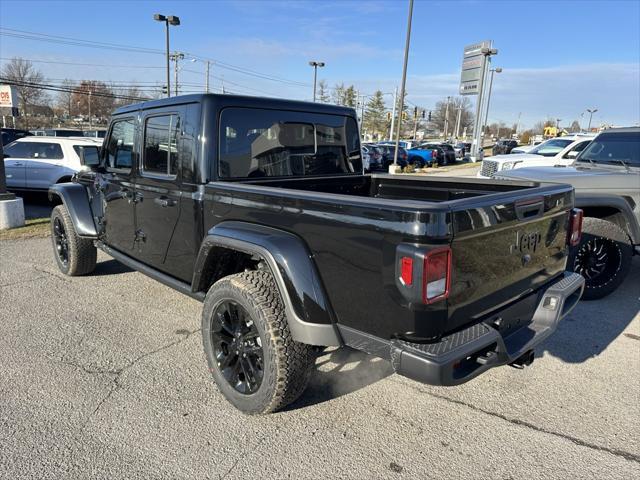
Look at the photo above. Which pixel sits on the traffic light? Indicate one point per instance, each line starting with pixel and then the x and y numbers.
pixel 404 115
pixel 415 112
pixel 164 89
pixel 423 113
pixel 429 115
pixel 388 116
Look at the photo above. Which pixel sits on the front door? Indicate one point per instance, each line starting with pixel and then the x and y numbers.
pixel 158 188
pixel 117 186
pixel 15 164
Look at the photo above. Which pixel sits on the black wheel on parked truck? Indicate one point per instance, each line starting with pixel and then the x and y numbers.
pixel 603 257
pixel 74 255
pixel 254 360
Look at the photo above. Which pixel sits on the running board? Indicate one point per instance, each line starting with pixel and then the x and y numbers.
pixel 163 278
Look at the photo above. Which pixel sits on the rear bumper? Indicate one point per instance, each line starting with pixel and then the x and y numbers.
pixel 464 355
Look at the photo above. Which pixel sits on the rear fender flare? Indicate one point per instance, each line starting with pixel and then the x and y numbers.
pixel 76 200
pixel 310 317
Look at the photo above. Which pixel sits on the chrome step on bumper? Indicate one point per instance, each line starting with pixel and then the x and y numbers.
pixel 464 355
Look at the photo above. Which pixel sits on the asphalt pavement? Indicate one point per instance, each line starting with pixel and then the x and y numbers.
pixel 104 377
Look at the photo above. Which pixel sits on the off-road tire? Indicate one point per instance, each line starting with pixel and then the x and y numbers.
pixel 614 238
pixel 286 363
pixel 82 254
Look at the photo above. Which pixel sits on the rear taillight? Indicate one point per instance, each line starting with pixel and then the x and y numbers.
pixel 575 227
pixel 406 271
pixel 434 154
pixel 437 275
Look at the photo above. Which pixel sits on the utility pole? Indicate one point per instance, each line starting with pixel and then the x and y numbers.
pixel 89 109
pixel 404 81
pixel 206 79
pixel 393 113
pixel 458 119
pixel 177 56
pixel 446 118
pixel 362 110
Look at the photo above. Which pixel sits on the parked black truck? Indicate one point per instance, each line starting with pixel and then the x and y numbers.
pixel 259 208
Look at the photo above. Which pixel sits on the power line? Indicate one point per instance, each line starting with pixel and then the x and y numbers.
pixel 85 64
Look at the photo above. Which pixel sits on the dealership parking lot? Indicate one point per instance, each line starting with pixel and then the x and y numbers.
pixel 104 377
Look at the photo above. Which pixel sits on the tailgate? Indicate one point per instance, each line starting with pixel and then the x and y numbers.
pixel 504 246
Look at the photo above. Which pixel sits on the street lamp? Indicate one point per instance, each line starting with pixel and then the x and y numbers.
pixel 168 20
pixel 493 70
pixel 315 66
pixel 591 112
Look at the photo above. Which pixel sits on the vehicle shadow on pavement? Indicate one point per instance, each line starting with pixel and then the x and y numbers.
pixel 339 372
pixel 36 204
pixel 580 337
pixel 110 267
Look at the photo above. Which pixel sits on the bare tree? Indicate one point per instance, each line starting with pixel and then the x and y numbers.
pixel 26 79
pixel 64 98
pixel 93 97
pixel 438 114
pixel 323 92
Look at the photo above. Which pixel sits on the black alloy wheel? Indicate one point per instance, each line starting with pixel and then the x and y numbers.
pixel 61 241
pixel 237 347
pixel 599 260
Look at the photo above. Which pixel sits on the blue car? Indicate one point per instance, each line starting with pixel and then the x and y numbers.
pixel 421 156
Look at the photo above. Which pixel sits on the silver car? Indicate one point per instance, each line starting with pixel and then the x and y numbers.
pixel 35 163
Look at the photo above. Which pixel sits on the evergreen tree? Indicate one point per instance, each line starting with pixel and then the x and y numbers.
pixel 375 117
pixel 323 92
pixel 350 99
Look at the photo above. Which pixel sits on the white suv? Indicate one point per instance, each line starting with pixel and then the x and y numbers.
pixel 556 151
pixel 35 163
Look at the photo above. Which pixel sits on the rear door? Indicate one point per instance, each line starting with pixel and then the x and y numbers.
pixel 117 185
pixel 45 166
pixel 15 163
pixel 158 185
pixel 506 245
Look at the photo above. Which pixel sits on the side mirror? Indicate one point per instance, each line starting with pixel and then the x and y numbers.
pixel 90 157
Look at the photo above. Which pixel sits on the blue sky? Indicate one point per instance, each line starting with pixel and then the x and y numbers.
pixel 559 57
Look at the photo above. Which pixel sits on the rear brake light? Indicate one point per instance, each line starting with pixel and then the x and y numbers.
pixel 575 227
pixel 437 275
pixel 434 154
pixel 406 271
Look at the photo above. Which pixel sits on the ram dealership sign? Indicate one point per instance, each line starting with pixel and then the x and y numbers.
pixel 472 65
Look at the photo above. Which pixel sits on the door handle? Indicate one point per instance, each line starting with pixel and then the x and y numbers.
pixel 18 164
pixel 164 202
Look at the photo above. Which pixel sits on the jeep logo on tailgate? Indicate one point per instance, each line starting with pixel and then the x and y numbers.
pixel 525 242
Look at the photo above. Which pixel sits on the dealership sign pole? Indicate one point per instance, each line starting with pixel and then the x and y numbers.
pixel 474 69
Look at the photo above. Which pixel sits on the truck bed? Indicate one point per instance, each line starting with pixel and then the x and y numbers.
pixel 354 224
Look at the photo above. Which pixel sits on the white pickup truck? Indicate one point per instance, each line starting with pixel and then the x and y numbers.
pixel 556 151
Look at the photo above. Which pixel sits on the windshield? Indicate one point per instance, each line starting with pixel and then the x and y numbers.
pixel 551 147
pixel 613 149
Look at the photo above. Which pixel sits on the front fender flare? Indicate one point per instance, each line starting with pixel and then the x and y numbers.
pixel 310 317
pixel 75 199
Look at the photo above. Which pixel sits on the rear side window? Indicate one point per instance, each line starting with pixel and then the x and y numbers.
pixel 160 155
pixel 36 150
pixel 279 143
pixel 120 145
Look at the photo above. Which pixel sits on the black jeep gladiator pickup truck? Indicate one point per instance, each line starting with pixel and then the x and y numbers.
pixel 259 208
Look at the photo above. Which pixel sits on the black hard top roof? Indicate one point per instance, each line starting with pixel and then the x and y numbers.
pixel 239 101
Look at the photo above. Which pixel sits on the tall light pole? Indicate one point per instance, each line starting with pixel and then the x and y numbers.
pixel 591 112
pixel 315 66
pixel 476 146
pixel 168 20
pixel 404 81
pixel 486 115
